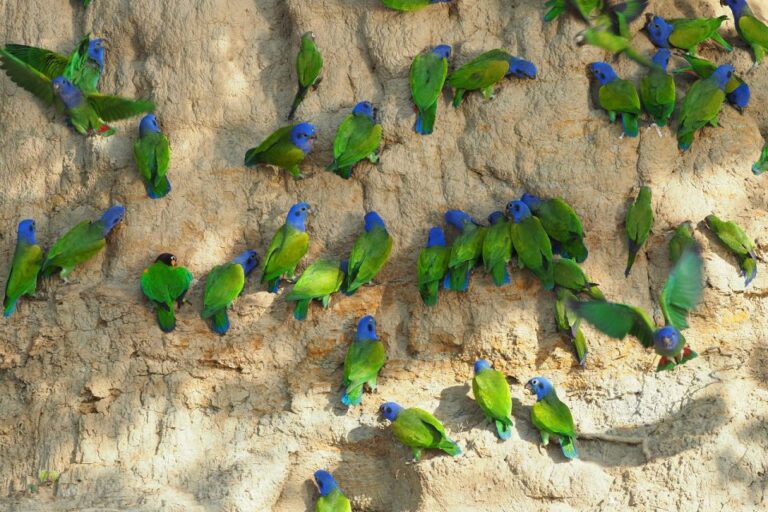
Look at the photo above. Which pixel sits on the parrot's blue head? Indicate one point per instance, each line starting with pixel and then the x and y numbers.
pixel 603 72
pixel 661 58
pixel 443 51
pixel 439 1
pixel 457 219
pixel 325 482
pixel 540 386
pixel 737 6
pixel 658 30
pixel 96 52
pixel 390 410
pixel 249 260
pixel 530 200
pixel 518 211
pixel 739 97
pixel 366 329
pixel 723 75
pixel 436 237
pixel 112 218
pixel 297 216
pixel 372 220
pixel 496 217
pixel 67 92
pixel 481 364
pixel 303 136
pixel 26 231
pixel 521 68
pixel 148 125
pixel 666 339
pixel 364 108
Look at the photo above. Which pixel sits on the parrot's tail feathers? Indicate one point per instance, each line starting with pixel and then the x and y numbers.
pixel 577 250
pixel 105 130
pixel 661 122
pixel 722 42
pixel 749 268
pixel 459 277
pixel 252 157
pixel 158 191
pixel 166 318
pixel 353 395
pixel 10 308
pixel 630 124
pixel 500 274
pixel 449 447
pixel 300 94
pixel 220 323
pixel 274 285
pixel 425 120
pixel 684 140
pixel 631 255
pixel 429 292
pixel 504 429
pixel 301 310
pixel 568 445
pixel 458 97
pixel 555 11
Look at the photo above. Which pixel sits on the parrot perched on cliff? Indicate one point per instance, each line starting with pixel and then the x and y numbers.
pixel 497 249
pixel 702 105
pixel 86 3
pixel 357 138
pixel 163 283
pixel 432 266
pixel 568 323
pixel 657 90
pixel 309 65
pixel 289 244
pixel 364 359
pixel 369 253
pixel 319 281
pixel 733 238
pixel 81 243
pixel 531 243
pixel 418 430
pixel 562 224
pixel 617 97
pixel 284 148
pixel 685 34
pixel 737 92
pixel 638 224
pixel 466 251
pixel 222 286
pixel 761 165
pixel 680 241
pixel 331 498
pixel 484 71
pixel 410 5
pixel 152 153
pixel 552 417
pixel 492 395
pixel 428 73
pixel 753 31
pixel 568 274
pixel 26 263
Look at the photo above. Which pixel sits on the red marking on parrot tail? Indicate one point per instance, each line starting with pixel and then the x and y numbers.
pixel 686 351
pixel 104 128
pixel 663 361
pixel 415 109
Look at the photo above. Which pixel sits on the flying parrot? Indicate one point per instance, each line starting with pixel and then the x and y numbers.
pixel 363 362
pixel 617 97
pixel 432 266
pixel 289 244
pixel 86 3
pixel 410 5
pixel 222 286
pixel 81 243
pixel 492 395
pixel 357 138
pixel 152 153
pixel 685 34
pixel 418 430
pixel 568 324
pixel 569 275
pixel 552 417
pixel 761 165
pixel 484 71
pixel 702 105
pixel 26 263
pixel 733 238
pixel 657 90
pixel 284 148
pixel 428 73
pixel 466 251
pixel 163 283
pixel 587 8
pixel 319 281
pixel 562 224
pixel 638 223
pixel 753 31
pixel 602 36
pixel 737 92
pixel 309 64
pixel 531 243
pixel 497 249
pixel 331 498
pixel 369 253
pixel 680 241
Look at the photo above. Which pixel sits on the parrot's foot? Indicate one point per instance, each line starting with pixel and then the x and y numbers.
pixel 542 446
pixel 658 130
pixel 621 137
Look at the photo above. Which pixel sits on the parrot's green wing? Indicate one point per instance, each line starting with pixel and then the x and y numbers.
pixel 50 64
pixel 492 394
pixel 533 248
pixel 497 245
pixel 363 361
pixel 114 108
pixel 426 430
pixel 552 415
pixel 285 251
pixel 616 320
pixel 178 283
pixel 657 94
pixel 688 33
pixel 406 5
pixel 639 218
pixel 27 260
pixel 78 245
pixel 754 31
pixel 26 76
pixel 468 245
pixel 153 155
pixel 683 289
pixel 309 61
pixel 356 138
pixel 731 235
pixel 702 104
pixel 568 274
pixel 155 284
pixel 481 72
pixel 319 279
pixel 369 254
pixel 680 241
pixel 222 286
pixel 335 501
pixel 620 96
pixel 432 264
pixel 428 74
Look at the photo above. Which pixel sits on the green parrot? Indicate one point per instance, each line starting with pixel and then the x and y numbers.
pixel 364 360
pixel 288 246
pixel 81 243
pixel 753 31
pixel 761 165
pixel 309 64
pixel 410 5
pixel 568 324
pixel 319 281
pixel 484 71
pixel 568 274
pixel 428 73
pixel 222 286
pixel 497 249
pixel 531 243
pixel 357 138
pixel 369 253
pixel 432 265
pixel 331 498
pixel 86 3
pixel 737 91
pixel 561 223
pixel 657 90
pixel 466 251
pixel 610 30
pixel 680 241
pixel 638 223
pixel 617 97
pixel 152 153
pixel 680 295
pixel 552 417
pixel 683 33
pixel 418 430
pixel 284 148
pixel 587 8
pixel 163 283
pixel 492 395
pixel 702 105
pixel 26 263
pixel 733 238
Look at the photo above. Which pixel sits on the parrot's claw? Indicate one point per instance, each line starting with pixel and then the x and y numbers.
pixel 658 130
pixel 621 137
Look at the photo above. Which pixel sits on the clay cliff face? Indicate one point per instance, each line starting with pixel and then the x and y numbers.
pixel 134 419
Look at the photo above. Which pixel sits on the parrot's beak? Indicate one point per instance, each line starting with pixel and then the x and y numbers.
pixel 56 87
pixel 529 388
pixel 580 39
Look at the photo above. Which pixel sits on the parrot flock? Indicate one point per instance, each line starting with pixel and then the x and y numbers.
pixel 543 235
